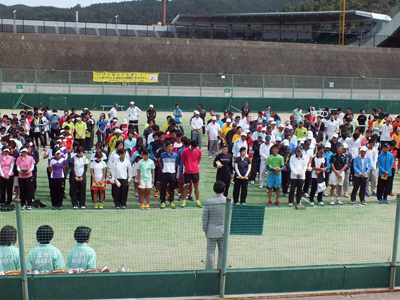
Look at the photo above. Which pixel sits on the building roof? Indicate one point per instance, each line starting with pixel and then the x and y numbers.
pixel 274 18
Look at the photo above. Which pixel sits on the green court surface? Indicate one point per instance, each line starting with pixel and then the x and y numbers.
pixel 173 240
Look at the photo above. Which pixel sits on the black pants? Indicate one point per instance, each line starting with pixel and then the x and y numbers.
pixel 255 168
pixel 307 182
pixel 6 185
pixel 180 127
pixel 359 183
pixel 54 133
pixel 285 181
pixel 227 180
pixel 88 146
pixel 135 126
pixel 296 184
pixel 391 180
pixel 81 142
pixel 383 188
pixel 56 191
pixel 34 182
pixel 240 187
pixel 120 194
pixel 314 187
pixel 37 136
pixel 77 191
pixel 327 174
pixel 167 179
pixel 25 190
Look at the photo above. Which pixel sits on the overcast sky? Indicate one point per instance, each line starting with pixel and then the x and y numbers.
pixel 64 3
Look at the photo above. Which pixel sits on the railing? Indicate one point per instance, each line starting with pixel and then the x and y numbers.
pixel 253 33
pixel 203 85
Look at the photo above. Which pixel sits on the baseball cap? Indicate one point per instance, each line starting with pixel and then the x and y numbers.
pixel 285 143
pixel 14 113
pixel 271 119
pixel 273 123
pixel 58 152
pixel 278 139
pixel 363 148
pixel 259 128
pixel 299 148
pixel 125 121
pixel 228 120
pixel 264 129
pixel 234 124
pixel 213 118
pixel 247 131
pixel 243 134
pixel 281 126
pixel 335 136
pixel 118 130
pixel 151 105
pixel 389 119
pixel 316 124
pixel 132 102
pixel 328 145
pixel 301 141
pixel 268 137
pixel 386 145
pixel 85 108
pixel 301 121
pixel 345 146
pixel 217 114
pixel 196 112
pixel 260 135
pixel 287 121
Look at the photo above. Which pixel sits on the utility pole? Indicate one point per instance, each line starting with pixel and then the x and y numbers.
pixel 164 13
pixel 342 22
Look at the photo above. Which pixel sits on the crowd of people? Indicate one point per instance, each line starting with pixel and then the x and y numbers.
pixel 302 155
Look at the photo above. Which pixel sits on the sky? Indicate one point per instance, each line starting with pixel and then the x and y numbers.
pixel 64 3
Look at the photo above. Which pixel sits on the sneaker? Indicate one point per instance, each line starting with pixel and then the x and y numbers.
pixel 353 202
pixel 117 207
pixel 398 171
pixel 321 203
pixel 386 201
pixel 209 157
pixel 29 207
pixel 179 194
pixel 252 182
pixel 290 204
pixel 363 203
pixel 306 195
pixel 237 203
pixel 374 194
pixel 96 206
pixel 299 204
pixel 277 203
pixel 243 203
pixel 136 195
pixel 75 207
pixel 143 206
pixel 325 194
pixel 366 194
pixel 312 203
pixel 380 201
pixel 140 201
pixel 55 207
pixel 286 195
pixel 332 202
pixel 191 198
pixel 260 187
pixel 147 206
pixel 162 205
pixel 180 198
pixel 198 204
pixel 101 206
pixel 61 208
pixel 339 202
pixel 83 207
pixel 23 207
pixel 346 195
pixel 123 207
pixel 269 203
pixel 64 196
pixel 155 194
pixel 391 194
pixel 172 205
pixel 183 204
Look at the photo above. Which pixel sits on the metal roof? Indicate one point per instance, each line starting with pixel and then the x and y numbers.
pixel 278 17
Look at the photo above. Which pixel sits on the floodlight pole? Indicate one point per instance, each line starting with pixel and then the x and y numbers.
pixel 395 245
pixel 15 25
pixel 24 279
pixel 227 229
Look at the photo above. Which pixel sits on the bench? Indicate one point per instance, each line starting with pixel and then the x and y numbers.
pixel 111 106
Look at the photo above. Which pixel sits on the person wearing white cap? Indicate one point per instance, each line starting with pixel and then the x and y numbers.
pixel 362 165
pixel 77 187
pixel 25 165
pixel 214 135
pixel 80 132
pixel 113 112
pixel 151 114
pixel 287 125
pixel 372 153
pixel 134 113
pixel 242 142
pixel 319 167
pixel 265 152
pixel 311 140
pixel 57 169
pixel 117 137
pixel 6 175
pixel 197 124
pixel 225 128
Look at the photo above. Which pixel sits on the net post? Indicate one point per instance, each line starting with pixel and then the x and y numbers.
pixel 393 263
pixel 227 227
pixel 24 280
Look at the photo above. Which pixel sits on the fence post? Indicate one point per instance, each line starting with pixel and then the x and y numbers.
pixel 323 87
pixel 233 84
pixel 227 229
pixel 35 81
pixel 294 86
pixel 169 82
pixel 1 80
pixel 393 263
pixel 201 85
pixel 380 88
pixel 263 87
pixel 69 82
pixel 24 281
pixel 351 91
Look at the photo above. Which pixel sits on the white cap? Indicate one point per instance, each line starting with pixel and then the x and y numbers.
pixel 213 118
pixel 132 102
pixel 309 135
pixel 196 112
pixel 85 108
pixel 125 121
pixel 281 125
pixel 118 130
pixel 273 123
pixel 14 113
pixel 264 129
pixel 247 131
pixel 345 146
pixel 285 143
pixel 255 119
pixel 243 134
pixel 287 121
pixel 301 141
pixel 59 141
pixel 58 152
pixel 24 150
pixel 79 118
pixel 328 145
pixel 6 150
pixel 363 148
pixel 278 139
pixel 151 105
pixel 271 119
pixel 228 120
pixel 335 135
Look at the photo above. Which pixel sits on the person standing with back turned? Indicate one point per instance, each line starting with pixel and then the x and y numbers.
pixel 213 225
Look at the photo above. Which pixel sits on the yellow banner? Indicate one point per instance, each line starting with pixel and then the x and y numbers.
pixel 124 77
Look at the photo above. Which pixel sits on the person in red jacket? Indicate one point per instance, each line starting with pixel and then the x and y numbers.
pixel 191 158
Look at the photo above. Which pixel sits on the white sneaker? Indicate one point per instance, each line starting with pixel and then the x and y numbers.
pixel 325 194
pixel 321 203
pixel 290 204
pixel 339 202
pixel 332 202
pixel 346 195
pixel 398 171
pixel 252 182
pixel 311 203
pixel 260 187
pixel 306 195
pixel 209 157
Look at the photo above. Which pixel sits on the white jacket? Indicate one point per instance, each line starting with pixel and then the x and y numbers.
pixel 265 151
pixel 237 145
pixel 298 166
pixel 133 113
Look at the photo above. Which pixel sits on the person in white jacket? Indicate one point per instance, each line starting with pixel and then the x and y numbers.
pixel 372 153
pixel 134 113
pixel 239 144
pixel 298 168
pixel 265 151
pixel 197 124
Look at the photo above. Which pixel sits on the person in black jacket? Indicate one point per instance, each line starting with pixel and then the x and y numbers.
pixel 318 134
pixel 286 153
pixel 224 164
pixel 151 114
pixel 229 137
pixel 255 163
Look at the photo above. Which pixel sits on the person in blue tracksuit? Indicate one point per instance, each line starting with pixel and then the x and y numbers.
pixel 385 164
pixel 362 165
